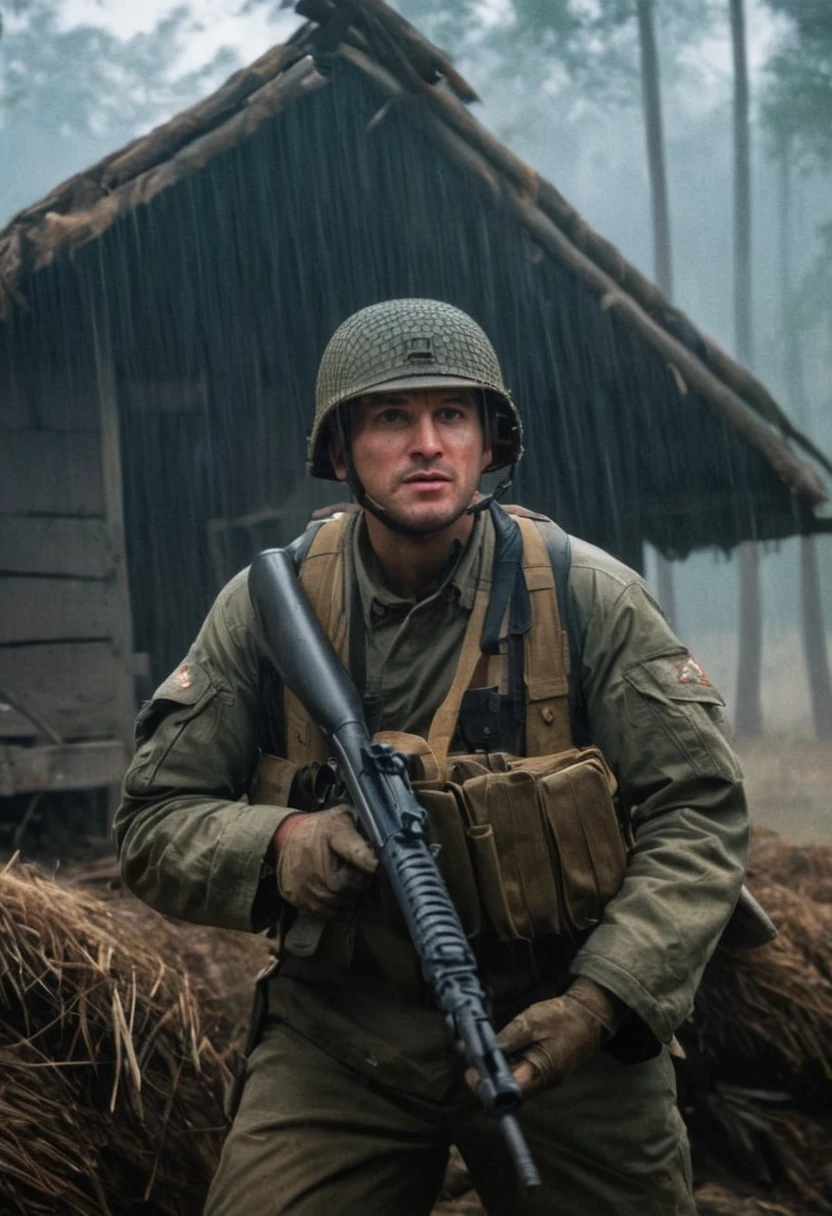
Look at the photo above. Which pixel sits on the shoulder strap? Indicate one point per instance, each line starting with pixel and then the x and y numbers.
pixel 559 547
pixel 273 727
pixel 545 652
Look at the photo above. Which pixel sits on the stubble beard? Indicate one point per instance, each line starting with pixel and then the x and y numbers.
pixel 425 524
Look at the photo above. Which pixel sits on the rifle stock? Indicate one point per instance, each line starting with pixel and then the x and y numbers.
pixel 375 777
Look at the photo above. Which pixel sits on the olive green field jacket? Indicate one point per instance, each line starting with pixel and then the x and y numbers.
pixel 192 846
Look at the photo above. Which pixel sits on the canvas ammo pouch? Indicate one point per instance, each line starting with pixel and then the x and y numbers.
pixel 528 846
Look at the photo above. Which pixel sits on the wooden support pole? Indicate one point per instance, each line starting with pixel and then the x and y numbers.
pixel 122 629
pixel 814 639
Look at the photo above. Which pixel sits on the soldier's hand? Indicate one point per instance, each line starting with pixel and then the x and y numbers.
pixel 549 1040
pixel 323 862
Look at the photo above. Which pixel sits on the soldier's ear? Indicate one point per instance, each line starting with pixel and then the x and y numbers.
pixel 336 458
pixel 487 456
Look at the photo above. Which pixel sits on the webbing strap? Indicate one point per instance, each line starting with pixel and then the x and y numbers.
pixel 545 652
pixel 273 721
pixel 322 578
pixel 443 726
pixel 559 547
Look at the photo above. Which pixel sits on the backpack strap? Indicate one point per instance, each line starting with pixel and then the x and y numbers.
pixel 317 579
pixel 545 652
pixel 559 546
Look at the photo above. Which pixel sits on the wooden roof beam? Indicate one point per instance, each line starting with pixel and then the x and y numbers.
pixel 608 258
pixel 801 477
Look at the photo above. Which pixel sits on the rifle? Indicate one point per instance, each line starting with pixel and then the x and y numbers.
pixel 376 780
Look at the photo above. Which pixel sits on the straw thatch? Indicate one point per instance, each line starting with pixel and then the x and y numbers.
pixel 756 1087
pixel 115 1053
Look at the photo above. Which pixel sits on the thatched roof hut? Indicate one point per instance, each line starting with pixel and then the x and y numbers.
pixel 162 315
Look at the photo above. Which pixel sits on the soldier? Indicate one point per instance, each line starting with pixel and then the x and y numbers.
pixel 594 880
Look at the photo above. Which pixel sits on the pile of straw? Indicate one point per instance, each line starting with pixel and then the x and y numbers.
pixel 783 993
pixel 756 1088
pixel 114 1052
pixel 119 1031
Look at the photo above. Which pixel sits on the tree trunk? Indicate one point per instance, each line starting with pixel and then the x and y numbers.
pixel 749 716
pixel 742 188
pixel 662 256
pixel 748 721
pixel 792 361
pixel 815 648
pixel 814 639
pixel 652 106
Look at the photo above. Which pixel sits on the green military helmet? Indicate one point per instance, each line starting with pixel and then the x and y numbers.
pixel 411 344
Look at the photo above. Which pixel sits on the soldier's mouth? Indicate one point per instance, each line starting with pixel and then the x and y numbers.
pixel 430 478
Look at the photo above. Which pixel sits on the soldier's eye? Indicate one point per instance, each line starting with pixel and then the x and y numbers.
pixel 391 414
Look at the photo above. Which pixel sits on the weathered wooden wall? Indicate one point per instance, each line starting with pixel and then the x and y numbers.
pixel 62 664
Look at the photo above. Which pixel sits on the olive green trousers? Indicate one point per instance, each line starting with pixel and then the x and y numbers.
pixel 317 1135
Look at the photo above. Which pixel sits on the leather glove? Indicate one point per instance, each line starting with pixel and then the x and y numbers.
pixel 552 1038
pixel 323 863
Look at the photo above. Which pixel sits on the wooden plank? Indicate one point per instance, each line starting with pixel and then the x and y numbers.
pixel 122 618
pixel 14 414
pixel 71 686
pixel 71 766
pixel 31 544
pixel 51 472
pixel 65 403
pixel 49 399
pixel 174 395
pixel 55 609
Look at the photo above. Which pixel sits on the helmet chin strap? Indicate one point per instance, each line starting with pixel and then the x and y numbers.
pixel 416 533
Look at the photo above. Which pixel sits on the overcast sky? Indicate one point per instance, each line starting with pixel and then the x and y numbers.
pixel 225 23
pixel 221 22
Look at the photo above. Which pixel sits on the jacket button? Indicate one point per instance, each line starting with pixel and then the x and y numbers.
pixel 547 714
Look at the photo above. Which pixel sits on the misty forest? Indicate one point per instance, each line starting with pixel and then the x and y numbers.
pixel 634 198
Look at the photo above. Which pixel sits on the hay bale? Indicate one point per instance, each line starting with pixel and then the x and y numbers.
pixel 756 1088
pixel 114 1051
pixel 765 1016
pixel 119 1030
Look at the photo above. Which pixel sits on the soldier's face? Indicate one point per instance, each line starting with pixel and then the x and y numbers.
pixel 419 454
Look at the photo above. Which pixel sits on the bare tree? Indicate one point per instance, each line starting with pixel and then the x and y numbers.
pixel 749 713
pixel 662 248
pixel 796 114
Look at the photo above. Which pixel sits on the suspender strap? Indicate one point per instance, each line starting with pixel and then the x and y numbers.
pixel 545 652
pixel 273 719
pixel 507 583
pixel 559 546
pixel 444 722
pixel 322 577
